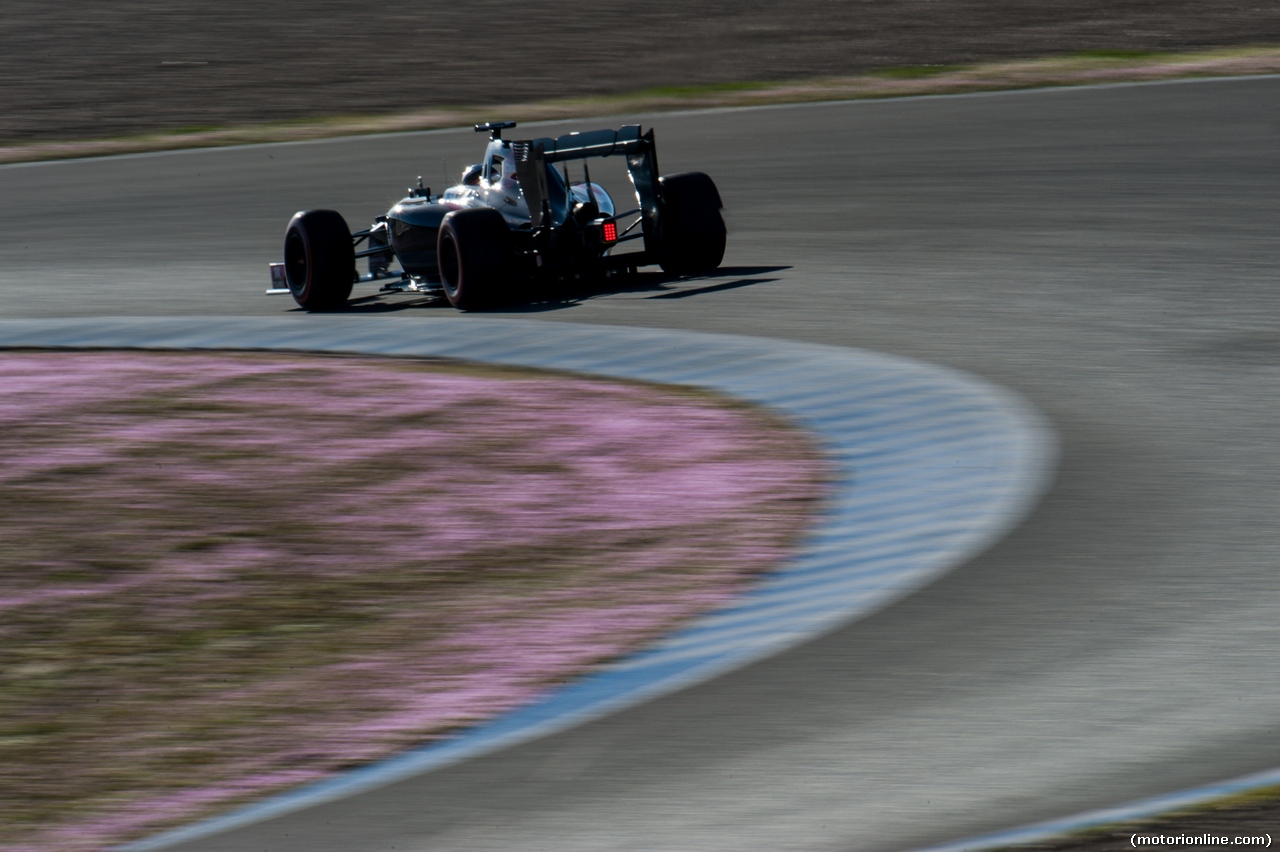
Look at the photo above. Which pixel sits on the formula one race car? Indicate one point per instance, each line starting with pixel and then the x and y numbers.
pixel 515 220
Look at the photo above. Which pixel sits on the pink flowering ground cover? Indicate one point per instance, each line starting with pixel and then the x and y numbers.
pixel 222 575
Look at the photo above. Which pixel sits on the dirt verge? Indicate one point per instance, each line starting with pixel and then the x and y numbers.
pixel 905 81
pixel 80 70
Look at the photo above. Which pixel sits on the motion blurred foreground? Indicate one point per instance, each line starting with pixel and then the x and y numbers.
pixel 223 575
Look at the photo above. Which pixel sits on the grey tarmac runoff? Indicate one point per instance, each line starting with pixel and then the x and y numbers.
pixel 1111 254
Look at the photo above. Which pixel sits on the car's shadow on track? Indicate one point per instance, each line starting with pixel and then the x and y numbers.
pixel 645 285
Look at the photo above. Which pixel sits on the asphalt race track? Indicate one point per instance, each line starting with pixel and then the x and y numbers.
pixel 1111 254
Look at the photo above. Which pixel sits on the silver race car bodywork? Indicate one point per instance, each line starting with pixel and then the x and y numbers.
pixel 514 219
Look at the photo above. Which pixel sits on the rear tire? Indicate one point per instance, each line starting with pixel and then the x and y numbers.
pixel 476 254
pixel 319 260
pixel 693 231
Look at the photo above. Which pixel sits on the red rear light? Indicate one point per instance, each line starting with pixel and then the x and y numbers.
pixel 610 231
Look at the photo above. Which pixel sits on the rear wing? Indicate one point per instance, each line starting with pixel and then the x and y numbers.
pixel 533 156
pixel 594 143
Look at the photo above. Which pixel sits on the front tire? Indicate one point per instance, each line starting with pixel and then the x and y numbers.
pixel 475 253
pixel 693 231
pixel 319 260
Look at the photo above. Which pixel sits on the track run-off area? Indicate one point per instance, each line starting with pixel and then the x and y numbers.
pixel 1109 254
